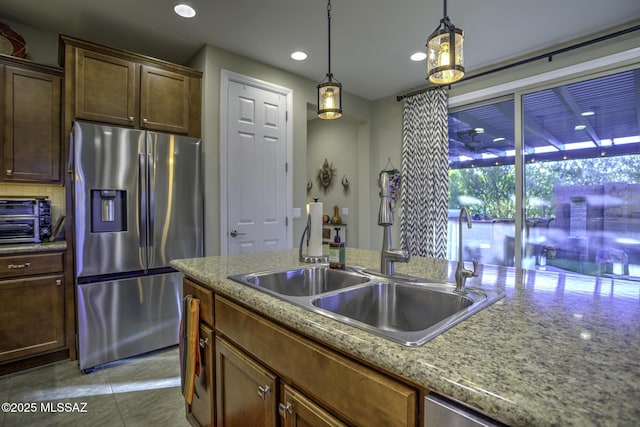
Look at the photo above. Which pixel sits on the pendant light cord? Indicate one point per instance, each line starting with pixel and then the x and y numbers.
pixel 329 37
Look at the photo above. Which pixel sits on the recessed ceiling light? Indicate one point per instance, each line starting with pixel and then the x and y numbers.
pixel 299 56
pixel 587 113
pixel 418 56
pixel 184 10
pixel 498 139
pixel 579 127
pixel 479 130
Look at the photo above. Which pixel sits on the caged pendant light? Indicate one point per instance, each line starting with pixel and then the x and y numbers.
pixel 445 60
pixel 330 90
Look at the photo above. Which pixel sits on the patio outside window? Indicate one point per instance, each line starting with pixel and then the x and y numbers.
pixel 581 151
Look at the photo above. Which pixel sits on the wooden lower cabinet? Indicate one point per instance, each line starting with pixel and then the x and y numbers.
pixel 350 391
pixel 248 395
pixel 32 316
pixel 299 411
pixel 201 411
pixel 264 375
pixel 246 392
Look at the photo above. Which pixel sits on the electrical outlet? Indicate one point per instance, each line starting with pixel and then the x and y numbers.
pixel 345 212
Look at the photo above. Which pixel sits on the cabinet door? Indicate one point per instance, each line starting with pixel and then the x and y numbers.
pixel 298 411
pixel 31 145
pixel 164 100
pixel 245 391
pixel 105 88
pixel 201 411
pixel 31 316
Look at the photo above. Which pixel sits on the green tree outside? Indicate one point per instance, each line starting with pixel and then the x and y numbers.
pixel 490 191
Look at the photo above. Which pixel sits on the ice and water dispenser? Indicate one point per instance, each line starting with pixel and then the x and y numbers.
pixel 108 211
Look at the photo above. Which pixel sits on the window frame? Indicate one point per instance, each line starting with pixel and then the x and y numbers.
pixel 517 90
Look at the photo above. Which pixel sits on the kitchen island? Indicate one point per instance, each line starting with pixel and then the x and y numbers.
pixel 557 350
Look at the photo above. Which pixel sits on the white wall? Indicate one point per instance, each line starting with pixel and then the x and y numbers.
pixel 211 60
pixel 42 46
pixel 336 141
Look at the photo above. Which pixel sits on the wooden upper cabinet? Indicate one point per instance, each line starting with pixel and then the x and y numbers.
pixel 164 100
pixel 31 138
pixel 105 88
pixel 112 86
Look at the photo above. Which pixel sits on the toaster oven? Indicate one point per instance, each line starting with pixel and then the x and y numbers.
pixel 25 220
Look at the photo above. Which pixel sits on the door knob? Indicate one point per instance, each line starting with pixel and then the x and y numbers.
pixel 235 233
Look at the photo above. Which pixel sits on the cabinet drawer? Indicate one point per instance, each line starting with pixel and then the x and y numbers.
pixel 30 264
pixel 355 392
pixel 205 296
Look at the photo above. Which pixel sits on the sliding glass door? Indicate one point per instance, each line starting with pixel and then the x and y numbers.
pixel 580 198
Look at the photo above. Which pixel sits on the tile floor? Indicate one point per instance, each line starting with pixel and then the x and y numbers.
pixel 140 391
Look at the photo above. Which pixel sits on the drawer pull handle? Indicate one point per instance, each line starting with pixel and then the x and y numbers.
pixel 285 409
pixel 58 282
pixel 9 172
pixel 204 342
pixel 263 392
pixel 19 266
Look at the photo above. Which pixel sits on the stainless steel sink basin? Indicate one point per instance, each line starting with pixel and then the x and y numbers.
pixel 407 310
pixel 394 307
pixel 302 281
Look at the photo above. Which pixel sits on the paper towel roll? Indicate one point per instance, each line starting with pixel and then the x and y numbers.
pixel 314 209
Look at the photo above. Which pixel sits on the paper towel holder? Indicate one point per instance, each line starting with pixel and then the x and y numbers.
pixel 310 259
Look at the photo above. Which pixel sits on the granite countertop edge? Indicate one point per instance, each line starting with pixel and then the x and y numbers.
pixel 19 248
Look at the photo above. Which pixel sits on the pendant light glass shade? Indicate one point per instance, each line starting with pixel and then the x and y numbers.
pixel 445 54
pixel 330 90
pixel 330 100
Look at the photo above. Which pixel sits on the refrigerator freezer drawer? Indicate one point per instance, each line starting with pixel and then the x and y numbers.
pixel 127 317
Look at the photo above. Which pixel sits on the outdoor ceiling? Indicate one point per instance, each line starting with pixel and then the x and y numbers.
pixel 596 117
pixel 371 39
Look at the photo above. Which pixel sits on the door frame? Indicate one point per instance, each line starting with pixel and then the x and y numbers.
pixel 226 77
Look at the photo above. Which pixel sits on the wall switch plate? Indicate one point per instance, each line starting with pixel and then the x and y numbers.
pixel 345 212
pixel 296 213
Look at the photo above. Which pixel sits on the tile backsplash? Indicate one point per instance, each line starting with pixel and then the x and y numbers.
pixel 55 193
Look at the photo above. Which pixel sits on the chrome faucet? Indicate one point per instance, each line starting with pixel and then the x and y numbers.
pixel 388 256
pixel 462 273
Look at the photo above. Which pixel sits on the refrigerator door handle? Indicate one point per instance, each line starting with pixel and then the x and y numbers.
pixel 71 154
pixel 152 192
pixel 142 201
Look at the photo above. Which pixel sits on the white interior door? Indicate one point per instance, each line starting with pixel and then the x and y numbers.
pixel 257 190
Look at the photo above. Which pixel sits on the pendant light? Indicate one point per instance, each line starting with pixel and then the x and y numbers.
pixel 329 90
pixel 445 60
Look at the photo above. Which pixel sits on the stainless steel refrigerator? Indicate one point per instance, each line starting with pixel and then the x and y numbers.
pixel 138 204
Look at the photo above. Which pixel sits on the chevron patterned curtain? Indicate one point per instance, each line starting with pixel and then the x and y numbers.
pixel 425 180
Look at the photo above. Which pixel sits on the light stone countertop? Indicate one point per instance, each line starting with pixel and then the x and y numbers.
pixel 19 248
pixel 559 349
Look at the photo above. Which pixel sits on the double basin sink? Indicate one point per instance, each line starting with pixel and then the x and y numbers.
pixel 404 309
